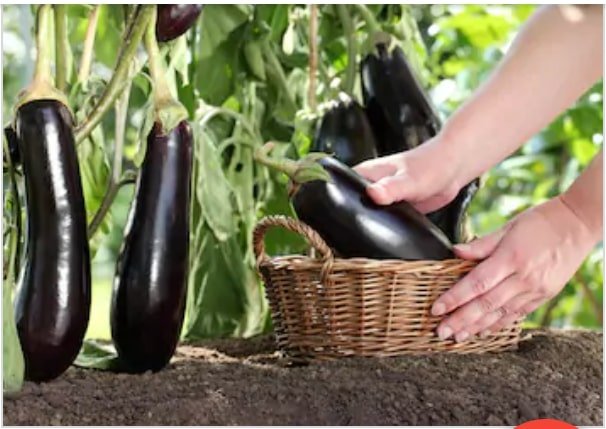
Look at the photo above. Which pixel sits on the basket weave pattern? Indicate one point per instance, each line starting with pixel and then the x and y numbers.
pixel 325 307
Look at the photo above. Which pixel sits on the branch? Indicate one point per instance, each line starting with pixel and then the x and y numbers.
pixel 369 18
pixel 120 76
pixel 313 56
pixel 89 43
pixel 596 307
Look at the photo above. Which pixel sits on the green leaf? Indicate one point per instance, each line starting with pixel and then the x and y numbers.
pixel 218 21
pixel 212 189
pixel 98 355
pixel 583 150
pixel 13 365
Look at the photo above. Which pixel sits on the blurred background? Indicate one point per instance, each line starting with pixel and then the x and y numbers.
pixel 254 61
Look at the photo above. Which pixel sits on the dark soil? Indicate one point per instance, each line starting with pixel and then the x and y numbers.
pixel 555 374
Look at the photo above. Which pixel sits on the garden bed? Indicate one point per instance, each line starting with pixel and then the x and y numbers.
pixel 555 374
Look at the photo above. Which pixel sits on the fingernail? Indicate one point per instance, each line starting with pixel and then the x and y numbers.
pixel 462 336
pixel 444 333
pixel 438 309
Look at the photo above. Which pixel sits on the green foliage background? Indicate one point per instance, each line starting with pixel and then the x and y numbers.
pixel 243 74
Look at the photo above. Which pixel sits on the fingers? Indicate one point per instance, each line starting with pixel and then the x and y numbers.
pixel 490 306
pixel 479 281
pixel 390 189
pixel 505 312
pixel 376 169
pixel 482 247
pixel 526 306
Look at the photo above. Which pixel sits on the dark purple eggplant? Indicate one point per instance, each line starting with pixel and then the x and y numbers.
pixel 402 116
pixel 345 132
pixel 400 112
pixel 54 291
pixel 354 226
pixel 148 300
pixel 175 19
pixel 13 145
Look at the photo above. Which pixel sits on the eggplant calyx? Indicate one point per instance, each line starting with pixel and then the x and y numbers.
pixel 169 113
pixel 304 170
pixel 41 89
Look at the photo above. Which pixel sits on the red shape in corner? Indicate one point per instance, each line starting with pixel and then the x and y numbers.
pixel 546 424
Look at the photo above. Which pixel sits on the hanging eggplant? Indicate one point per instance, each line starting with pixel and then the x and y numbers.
pixel 54 290
pixel 345 132
pixel 13 145
pixel 402 117
pixel 331 198
pixel 175 19
pixel 150 286
pixel 399 111
pixel 148 300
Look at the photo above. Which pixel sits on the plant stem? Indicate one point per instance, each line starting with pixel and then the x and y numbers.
pixel 348 27
pixel 43 52
pixel 169 112
pixel 369 18
pixel 89 43
pixel 119 78
pixel 303 170
pixel 276 67
pixel 114 181
pixel 61 46
pixel 313 56
pixel 106 203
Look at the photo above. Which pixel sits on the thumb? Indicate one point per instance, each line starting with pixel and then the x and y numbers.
pixel 391 189
pixel 480 248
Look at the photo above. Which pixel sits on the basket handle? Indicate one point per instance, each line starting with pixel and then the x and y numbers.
pixel 294 225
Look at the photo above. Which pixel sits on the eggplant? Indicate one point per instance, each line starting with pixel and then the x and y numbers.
pixel 354 226
pixel 175 19
pixel 54 289
pixel 13 145
pixel 402 116
pixel 150 286
pixel 345 132
pixel 400 112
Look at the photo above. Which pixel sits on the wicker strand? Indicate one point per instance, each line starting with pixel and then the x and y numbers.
pixel 327 308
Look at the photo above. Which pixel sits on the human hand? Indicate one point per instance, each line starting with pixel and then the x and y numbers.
pixel 427 176
pixel 525 263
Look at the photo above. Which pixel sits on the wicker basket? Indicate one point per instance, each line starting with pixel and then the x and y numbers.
pixel 326 307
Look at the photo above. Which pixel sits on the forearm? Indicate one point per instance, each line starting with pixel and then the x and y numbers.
pixel 585 198
pixel 553 60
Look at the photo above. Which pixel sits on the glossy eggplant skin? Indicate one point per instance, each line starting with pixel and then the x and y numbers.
pixel 54 293
pixel 13 145
pixel 354 226
pixel 344 131
pixel 150 286
pixel 399 110
pixel 175 19
pixel 402 117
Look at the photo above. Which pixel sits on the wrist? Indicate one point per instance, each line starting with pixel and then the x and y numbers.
pixel 586 225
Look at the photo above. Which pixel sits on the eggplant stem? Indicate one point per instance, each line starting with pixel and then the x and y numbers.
pixel 118 81
pixel 61 46
pixel 348 27
pixel 304 170
pixel 89 43
pixel 169 111
pixel 369 19
pixel 42 85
